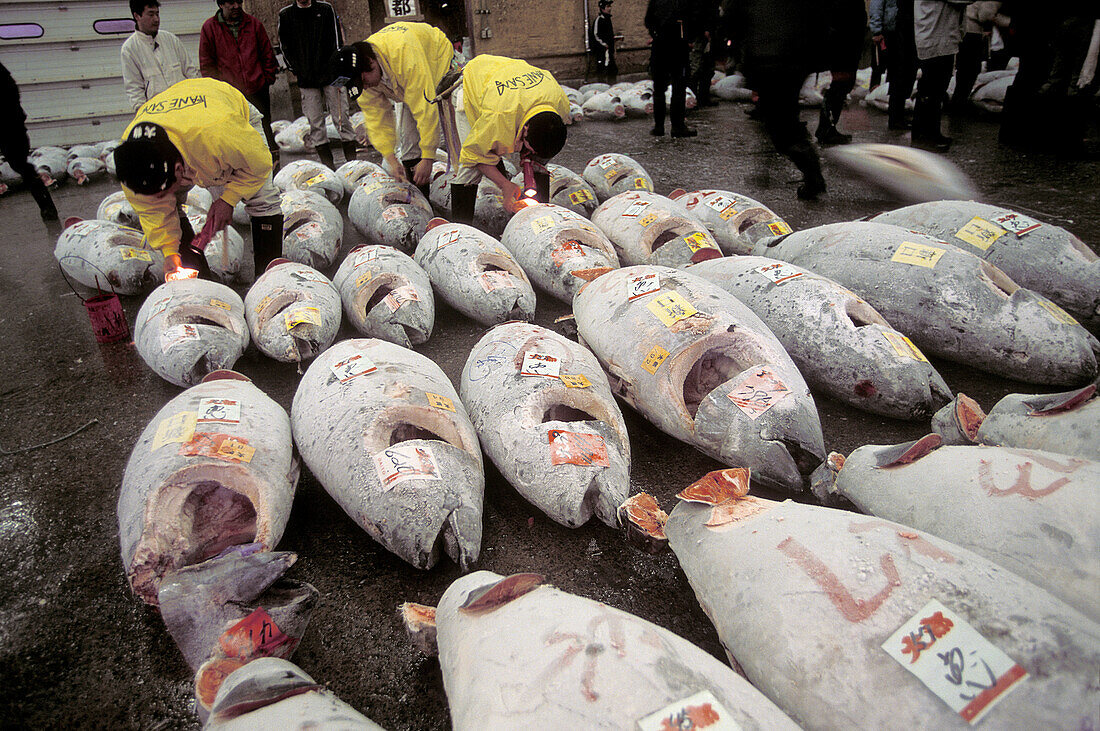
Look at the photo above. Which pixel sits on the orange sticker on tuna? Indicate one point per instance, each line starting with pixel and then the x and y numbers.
pixel 543 223
pixel 648 219
pixel 698 240
pixel 779 228
pixel 496 280
pixel 642 184
pixel 568 447
pixel 220 305
pixel 980 233
pixel 566 250
pixel 175 429
pixel 759 391
pixel 218 446
pixel 654 358
pixel 575 381
pixel 580 196
pixel 255 636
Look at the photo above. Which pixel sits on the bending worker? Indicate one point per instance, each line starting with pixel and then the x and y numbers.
pixel 199 132
pixel 401 63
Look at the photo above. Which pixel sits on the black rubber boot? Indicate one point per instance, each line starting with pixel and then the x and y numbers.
pixel 659 111
pixel 926 125
pixel 829 116
pixel 409 166
pixel 42 197
pixel 804 156
pixel 267 240
pixel 325 153
pixel 351 150
pixel 463 200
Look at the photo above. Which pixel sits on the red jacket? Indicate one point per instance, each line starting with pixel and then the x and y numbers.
pixel 246 62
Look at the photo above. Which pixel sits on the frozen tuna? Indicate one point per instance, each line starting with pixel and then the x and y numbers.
pixel 948 301
pixel 736 221
pixel 293 312
pixel 313 229
pixel 213 469
pixel 732 88
pixel 517 653
pixel 106 255
pixel 189 328
pixel 703 368
pixel 559 249
pixel 490 215
pixel 1066 422
pixel 354 173
pixel 611 173
pixel 51 164
pixel 391 212
pixel 294 137
pixel 647 228
pixel 310 175
pixel 603 107
pixel 84 169
pixel 384 432
pixel 546 417
pixel 1039 256
pixel 637 102
pixel 841 345
pixel 568 190
pixel 473 273
pixel 908 173
pixel 229 259
pixel 854 622
pixel 386 295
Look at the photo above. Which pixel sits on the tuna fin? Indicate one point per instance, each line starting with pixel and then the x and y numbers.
pixel 717 487
pixel 269 682
pixel 590 274
pixel 488 598
pixel 419 621
pixel 643 523
pixel 968 416
pixel 903 454
pixel 823 479
pixel 225 374
pixel 1057 403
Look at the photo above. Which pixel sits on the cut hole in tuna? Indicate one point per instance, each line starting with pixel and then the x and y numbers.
pixel 564 412
pixel 396 197
pixel 405 422
pixel 805 460
pixel 751 217
pixel 862 314
pixel 663 238
pixel 711 370
pixel 296 224
pixel 997 279
pixel 405 432
pixel 378 296
pixel 201 315
pixel 218 518
pixel 617 177
pixel 277 304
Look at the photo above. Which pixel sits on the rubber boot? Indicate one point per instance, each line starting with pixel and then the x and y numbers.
pixel 463 199
pixel 659 109
pixel 351 150
pixel 926 125
pixel 409 165
pixel 324 151
pixel 828 117
pixel 190 257
pixel 267 240
pixel 42 197
pixel 804 156
pixel 274 161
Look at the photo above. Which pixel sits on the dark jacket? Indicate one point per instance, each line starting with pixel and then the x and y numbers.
pixel 782 33
pixel 669 21
pixel 308 37
pixel 602 35
pixel 246 62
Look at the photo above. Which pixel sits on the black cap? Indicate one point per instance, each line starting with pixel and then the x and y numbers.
pixel 346 66
pixel 146 161
pixel 605 3
pixel 546 134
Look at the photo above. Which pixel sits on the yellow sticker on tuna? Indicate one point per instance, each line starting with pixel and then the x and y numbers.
pixel 315 179
pixel 234 449
pixel 903 346
pixel 654 359
pixel 670 308
pixel 647 219
pixel 440 402
pixel 980 233
pixel 176 429
pixel 129 252
pixel 779 228
pixel 363 278
pixel 642 184
pixel 580 196
pixel 222 305
pixel 575 381
pixel 303 316
pixel 1057 312
pixel 698 240
pixel 542 224
pixel 920 255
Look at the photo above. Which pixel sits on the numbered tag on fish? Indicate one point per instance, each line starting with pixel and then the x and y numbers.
pixel 440 402
pixel 758 392
pixel 220 305
pixel 648 219
pixel 568 447
pixel 314 180
pixel 605 162
pixel 779 272
pixel 177 334
pixel 400 296
pixel 1057 312
pixel 654 358
pixel 399 463
pixel 980 233
pixel 698 240
pixel 635 209
pixel 225 447
pixel 158 307
pixel 723 206
pixel 903 346
pixel 129 252
pixel 699 711
pixel 920 255
pixel 309 230
pixel 642 184
pixel 641 285
pixel 364 278
pixel 575 380
pixel 373 186
pixel 256 636
pixel 779 228
pixel 566 250
pixel 176 429
pixel 1016 223
pixel 448 239
pixel 393 213
pixel 963 669
pixel 539 364
pixel 356 365
pixel 670 308
pixel 223 410
pixel 578 197
pixel 542 223
pixel 496 280
pixel 302 316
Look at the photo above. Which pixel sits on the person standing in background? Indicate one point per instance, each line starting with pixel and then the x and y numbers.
pixel 152 59
pixel 234 48
pixel 937 33
pixel 847 24
pixel 14 144
pixel 309 33
pixel 668 23
pixel 701 57
pixel 602 41
pixel 977 32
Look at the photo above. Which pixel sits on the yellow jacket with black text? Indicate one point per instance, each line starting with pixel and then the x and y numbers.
pixel 414 58
pixel 209 123
pixel 500 95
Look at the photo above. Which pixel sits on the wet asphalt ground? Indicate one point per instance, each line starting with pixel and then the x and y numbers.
pixel 77 650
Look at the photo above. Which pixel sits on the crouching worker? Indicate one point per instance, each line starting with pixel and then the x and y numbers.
pixel 199 132
pixel 505 106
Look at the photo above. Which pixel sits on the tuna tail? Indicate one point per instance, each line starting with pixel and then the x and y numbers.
pixel 266 681
pixel 958 422
pixel 461 537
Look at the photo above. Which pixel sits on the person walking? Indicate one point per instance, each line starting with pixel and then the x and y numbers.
pixel 15 145
pixel 669 26
pixel 601 39
pixel 891 25
pixel 152 59
pixel 234 48
pixel 309 33
pixel 847 24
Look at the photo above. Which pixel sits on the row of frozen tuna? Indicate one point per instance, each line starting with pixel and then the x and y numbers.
pixel 293 136
pixel 55 164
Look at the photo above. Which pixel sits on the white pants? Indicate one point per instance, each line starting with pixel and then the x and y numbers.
pixel 336 99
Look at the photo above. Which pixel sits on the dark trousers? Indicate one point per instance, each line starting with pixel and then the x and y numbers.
pixel 607 70
pixel 777 90
pixel 901 61
pixel 668 63
pixel 15 146
pixel 968 64
pixel 262 101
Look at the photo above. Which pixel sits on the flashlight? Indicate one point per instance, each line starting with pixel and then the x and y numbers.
pixel 182 273
pixel 529 189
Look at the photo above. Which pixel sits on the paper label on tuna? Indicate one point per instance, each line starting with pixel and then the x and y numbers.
pixel 539 364
pixel 177 334
pixel 758 392
pixel 398 464
pixel 314 180
pixel 129 252
pixel 307 275
pixel 158 307
pixel 980 233
pixel 440 402
pixel 496 280
pixel 648 219
pixel 222 410
pixel 641 285
pixel 568 447
pixel 366 256
pixel 670 308
pixel 963 669
pixel 364 278
pixel 699 711
pixel 302 316
pixel 225 447
pixel 920 255
pixel 575 381
pixel 654 358
pixel 718 203
pixel 1015 222
pixel 635 208
pixel 779 273
pixel 566 250
pixel 307 230
pixel 371 187
pixel 580 196
pixel 255 636
pixel 220 305
pixel 176 429
pixel 698 240
pixel 393 213
pixel 1057 312
pixel 356 365
pixel 903 346
pixel 448 239
pixel 606 162
pixel 642 184
pixel 542 223
pixel 400 296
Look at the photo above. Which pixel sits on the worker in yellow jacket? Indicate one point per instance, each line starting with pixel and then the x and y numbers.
pixel 401 63
pixel 199 132
pixel 505 106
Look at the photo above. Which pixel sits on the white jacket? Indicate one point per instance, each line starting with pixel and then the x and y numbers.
pixel 150 65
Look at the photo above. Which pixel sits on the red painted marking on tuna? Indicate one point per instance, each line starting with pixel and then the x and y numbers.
pixel 1021 487
pixel 854 610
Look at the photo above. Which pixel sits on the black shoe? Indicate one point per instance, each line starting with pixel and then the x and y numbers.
pixel 899 124
pixel 932 143
pixel 683 132
pixel 811 188
pixel 657 131
pixel 49 214
pixel 832 136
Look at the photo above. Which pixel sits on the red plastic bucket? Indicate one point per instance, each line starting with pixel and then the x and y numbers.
pixel 108 319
